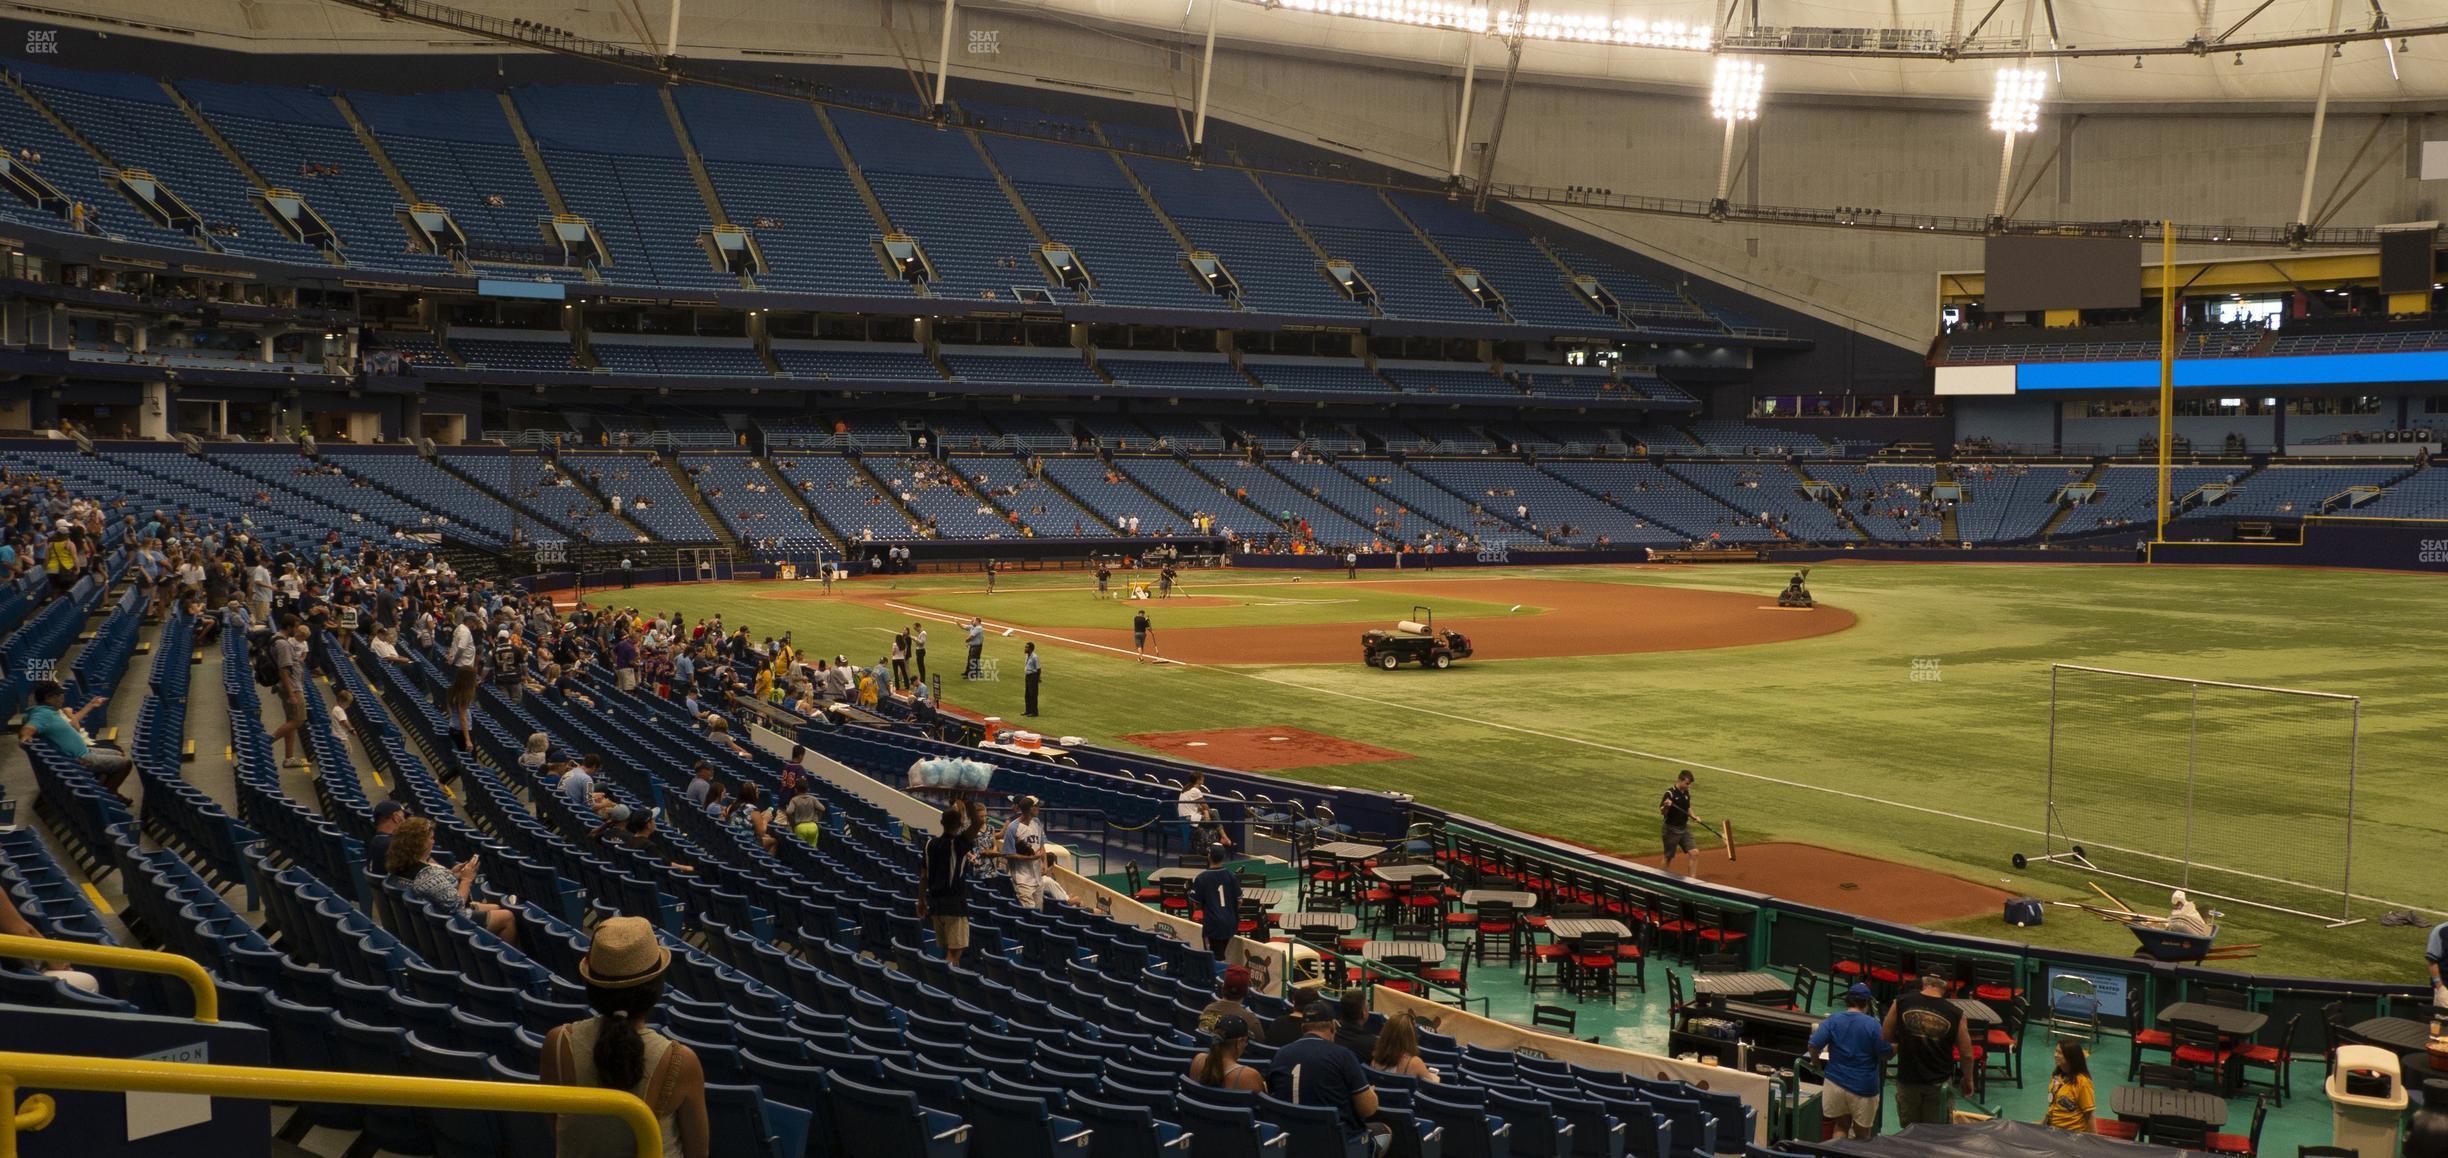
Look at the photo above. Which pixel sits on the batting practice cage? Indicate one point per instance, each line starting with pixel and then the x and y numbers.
pixel 2232 792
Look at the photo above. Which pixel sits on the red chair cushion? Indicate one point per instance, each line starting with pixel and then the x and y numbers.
pixel 1995 993
pixel 2000 1039
pixel 1550 952
pixel 2154 1039
pixel 2267 1055
pixel 1847 968
pixel 2228 1144
pixel 1594 962
pixel 2113 1128
pixel 1628 952
pixel 2194 1055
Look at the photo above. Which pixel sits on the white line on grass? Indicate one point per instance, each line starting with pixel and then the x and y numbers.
pixel 1620 750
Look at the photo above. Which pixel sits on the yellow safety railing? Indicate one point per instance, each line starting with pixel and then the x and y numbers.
pixel 207 997
pixel 289 1087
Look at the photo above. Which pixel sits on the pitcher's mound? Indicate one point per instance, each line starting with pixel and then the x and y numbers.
pixel 1263 749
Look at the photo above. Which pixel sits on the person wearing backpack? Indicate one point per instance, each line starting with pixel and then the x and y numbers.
pixel 509 666
pixel 288 654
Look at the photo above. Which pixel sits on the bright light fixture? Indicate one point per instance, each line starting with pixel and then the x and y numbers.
pixel 2015 106
pixel 1587 28
pixel 1737 96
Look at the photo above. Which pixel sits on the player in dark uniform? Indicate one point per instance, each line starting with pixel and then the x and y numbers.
pixel 1104 580
pixel 1139 632
pixel 1674 809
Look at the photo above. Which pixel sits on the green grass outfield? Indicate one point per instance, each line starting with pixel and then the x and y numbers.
pixel 1821 740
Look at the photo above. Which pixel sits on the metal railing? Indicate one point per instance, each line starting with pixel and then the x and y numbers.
pixel 199 982
pixel 112 1075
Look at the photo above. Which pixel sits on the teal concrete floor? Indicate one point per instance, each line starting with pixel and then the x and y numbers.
pixel 1639 1019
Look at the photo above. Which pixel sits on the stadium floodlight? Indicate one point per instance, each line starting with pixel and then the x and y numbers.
pixel 2014 107
pixel 1737 95
pixel 1736 99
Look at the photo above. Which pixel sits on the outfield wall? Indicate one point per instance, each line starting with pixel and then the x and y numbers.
pixel 2373 544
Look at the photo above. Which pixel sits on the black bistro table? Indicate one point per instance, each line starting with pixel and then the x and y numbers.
pixel 2140 1103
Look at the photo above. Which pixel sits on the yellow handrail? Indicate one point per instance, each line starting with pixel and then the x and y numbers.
pixel 288 1087
pixel 207 997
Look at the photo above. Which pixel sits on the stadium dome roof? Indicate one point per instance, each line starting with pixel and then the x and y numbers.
pixel 1928 49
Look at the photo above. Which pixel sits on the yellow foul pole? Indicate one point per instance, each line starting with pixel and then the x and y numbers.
pixel 2167 368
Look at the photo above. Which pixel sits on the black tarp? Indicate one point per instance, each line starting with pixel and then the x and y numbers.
pixel 1997 1138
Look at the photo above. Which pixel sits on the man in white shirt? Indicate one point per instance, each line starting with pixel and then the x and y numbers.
pixel 1024 851
pixel 1192 807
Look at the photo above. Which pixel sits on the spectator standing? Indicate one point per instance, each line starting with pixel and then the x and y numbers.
pixel 616 1050
pixel 289 659
pixel 1856 1052
pixel 1933 1044
pixel 1216 893
pixel 1030 670
pixel 1024 852
pixel 943 883
pixel 918 641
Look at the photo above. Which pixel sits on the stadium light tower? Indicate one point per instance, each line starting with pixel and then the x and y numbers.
pixel 2013 108
pixel 1735 100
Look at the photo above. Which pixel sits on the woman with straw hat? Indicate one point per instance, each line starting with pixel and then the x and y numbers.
pixel 614 1050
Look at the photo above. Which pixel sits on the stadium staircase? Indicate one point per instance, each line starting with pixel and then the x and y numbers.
pixel 1844 514
pixel 867 195
pixel 705 192
pixel 328 248
pixel 578 480
pixel 892 498
pixel 1172 228
pixel 1429 243
pixel 17 84
pixel 2065 510
pixel 832 535
pixel 1050 479
pixel 705 510
pixel 374 148
pixel 542 174
pixel 1011 193
pixel 1298 230
pixel 443 463
pixel 1943 474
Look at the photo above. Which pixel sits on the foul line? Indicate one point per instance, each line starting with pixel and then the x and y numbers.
pixel 1619 750
pixel 1016 629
